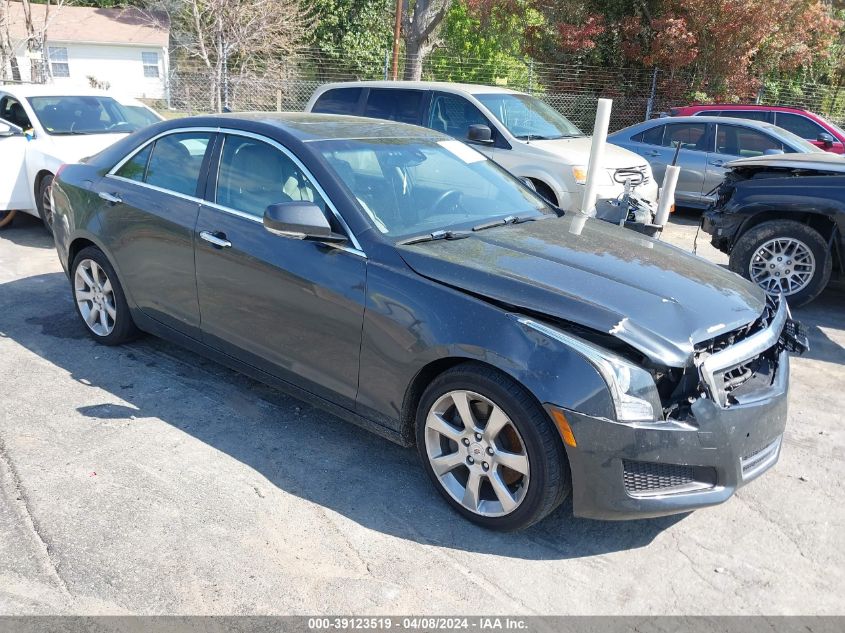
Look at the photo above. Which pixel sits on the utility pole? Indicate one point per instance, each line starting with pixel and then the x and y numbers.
pixel 397 30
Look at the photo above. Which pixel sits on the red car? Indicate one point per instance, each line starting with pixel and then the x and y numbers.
pixel 813 127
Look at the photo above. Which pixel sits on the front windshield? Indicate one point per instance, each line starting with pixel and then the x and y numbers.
pixel 68 115
pixel 139 116
pixel 527 117
pixel 411 187
pixel 800 144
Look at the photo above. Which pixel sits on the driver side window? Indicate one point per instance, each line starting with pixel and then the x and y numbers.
pixel 13 112
pixel 452 114
pixel 254 174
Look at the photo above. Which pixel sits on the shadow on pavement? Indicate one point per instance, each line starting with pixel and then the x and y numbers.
pixel 827 311
pixel 302 450
pixel 27 230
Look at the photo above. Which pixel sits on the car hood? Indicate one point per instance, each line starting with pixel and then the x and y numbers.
pixel 653 296
pixel 70 149
pixel 576 151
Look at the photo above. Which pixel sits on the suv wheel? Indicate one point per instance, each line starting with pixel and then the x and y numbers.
pixel 784 256
pixel 490 448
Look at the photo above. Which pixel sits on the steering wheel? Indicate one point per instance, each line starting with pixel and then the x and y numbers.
pixel 452 194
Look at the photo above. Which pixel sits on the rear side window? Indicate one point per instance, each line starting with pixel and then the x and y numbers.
pixel 338 101
pixel 394 105
pixel 654 136
pixel 176 162
pixel 753 115
pixel 708 113
pixel 800 125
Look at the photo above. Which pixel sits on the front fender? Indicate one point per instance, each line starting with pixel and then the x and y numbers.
pixel 412 322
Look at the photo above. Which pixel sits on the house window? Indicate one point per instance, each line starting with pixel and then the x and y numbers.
pixel 150 61
pixel 58 61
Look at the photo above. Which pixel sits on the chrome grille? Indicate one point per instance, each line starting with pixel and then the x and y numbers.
pixel 637 175
pixel 732 359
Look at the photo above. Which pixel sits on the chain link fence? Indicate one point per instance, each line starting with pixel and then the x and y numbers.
pixel 571 89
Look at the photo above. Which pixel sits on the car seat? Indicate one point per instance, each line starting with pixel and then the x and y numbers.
pixel 255 179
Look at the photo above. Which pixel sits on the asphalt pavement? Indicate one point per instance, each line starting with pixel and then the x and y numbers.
pixel 145 479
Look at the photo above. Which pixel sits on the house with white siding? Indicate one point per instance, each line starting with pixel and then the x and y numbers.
pixel 124 49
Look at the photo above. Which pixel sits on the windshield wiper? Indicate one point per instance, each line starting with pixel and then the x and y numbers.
pixel 511 219
pixel 437 235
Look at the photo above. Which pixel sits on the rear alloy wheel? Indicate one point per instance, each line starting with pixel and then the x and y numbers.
pixel 490 449
pixel 784 257
pixel 99 298
pixel 44 203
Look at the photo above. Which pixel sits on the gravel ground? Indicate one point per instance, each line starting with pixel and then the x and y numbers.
pixel 146 480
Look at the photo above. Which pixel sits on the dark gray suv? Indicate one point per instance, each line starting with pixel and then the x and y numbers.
pixel 401 280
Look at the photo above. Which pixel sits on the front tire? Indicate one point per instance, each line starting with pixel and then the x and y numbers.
pixel 784 256
pixel 99 298
pixel 490 449
pixel 45 206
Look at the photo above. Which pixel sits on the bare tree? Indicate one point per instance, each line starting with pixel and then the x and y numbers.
pixel 420 25
pixel 36 36
pixel 243 37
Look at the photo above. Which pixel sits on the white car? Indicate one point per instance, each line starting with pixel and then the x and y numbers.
pixel 44 126
pixel 526 136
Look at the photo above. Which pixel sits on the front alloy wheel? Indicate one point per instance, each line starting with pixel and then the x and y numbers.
pixel 782 265
pixel 477 453
pixel 490 449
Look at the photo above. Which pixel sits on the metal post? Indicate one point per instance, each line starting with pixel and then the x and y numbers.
pixel 650 103
pixel 596 164
pixel 531 77
pixel 397 30
pixel 278 100
pixel 386 63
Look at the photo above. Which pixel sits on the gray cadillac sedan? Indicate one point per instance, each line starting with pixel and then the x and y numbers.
pixel 401 280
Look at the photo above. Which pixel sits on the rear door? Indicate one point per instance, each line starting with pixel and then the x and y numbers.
pixel 14 191
pixel 150 207
pixel 293 308
pixel 658 146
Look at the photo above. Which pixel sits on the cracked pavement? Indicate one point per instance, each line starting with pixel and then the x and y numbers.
pixel 144 479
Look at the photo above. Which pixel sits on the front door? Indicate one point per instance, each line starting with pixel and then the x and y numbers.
pixel 150 208
pixel 293 308
pixel 453 115
pixel 14 193
pixel 658 145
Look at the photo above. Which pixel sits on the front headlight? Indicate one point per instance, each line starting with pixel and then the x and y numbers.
pixel 632 388
pixel 579 173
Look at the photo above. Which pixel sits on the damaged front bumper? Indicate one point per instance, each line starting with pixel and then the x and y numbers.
pixel 728 437
pixel 722 228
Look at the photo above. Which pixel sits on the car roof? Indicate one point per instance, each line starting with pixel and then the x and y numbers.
pixel 444 86
pixel 718 119
pixel 825 161
pixel 739 106
pixel 307 126
pixel 51 90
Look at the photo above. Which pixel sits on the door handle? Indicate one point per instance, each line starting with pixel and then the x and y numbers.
pixel 652 152
pixel 111 198
pixel 216 240
pixel 717 163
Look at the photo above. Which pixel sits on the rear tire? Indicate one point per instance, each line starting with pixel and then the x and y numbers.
pixel 45 207
pixel 506 468
pixel 784 255
pixel 99 298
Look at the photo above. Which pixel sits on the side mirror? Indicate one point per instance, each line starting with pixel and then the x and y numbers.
pixel 300 220
pixel 479 133
pixel 826 139
pixel 7 129
pixel 772 152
